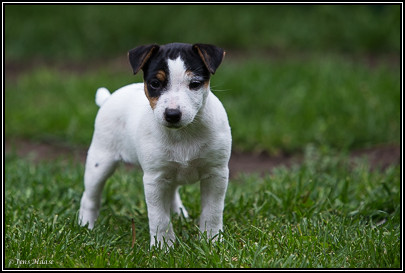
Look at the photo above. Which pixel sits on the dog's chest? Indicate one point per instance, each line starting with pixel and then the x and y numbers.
pixel 183 172
pixel 183 165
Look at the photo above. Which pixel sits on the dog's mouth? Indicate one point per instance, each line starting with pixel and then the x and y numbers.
pixel 174 126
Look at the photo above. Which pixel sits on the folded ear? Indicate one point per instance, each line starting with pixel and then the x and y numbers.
pixel 211 55
pixel 140 55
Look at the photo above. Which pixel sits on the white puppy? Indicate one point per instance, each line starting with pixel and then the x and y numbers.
pixel 173 127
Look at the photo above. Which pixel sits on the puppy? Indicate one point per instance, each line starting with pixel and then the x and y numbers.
pixel 173 127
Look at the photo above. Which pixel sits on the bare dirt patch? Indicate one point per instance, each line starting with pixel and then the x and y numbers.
pixel 378 157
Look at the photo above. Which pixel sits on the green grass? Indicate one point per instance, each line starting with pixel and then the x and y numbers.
pixel 77 32
pixel 325 213
pixel 293 75
pixel 61 105
pixel 285 104
pixel 273 105
pixel 294 80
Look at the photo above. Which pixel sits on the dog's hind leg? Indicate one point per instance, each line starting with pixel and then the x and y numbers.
pixel 177 205
pixel 99 166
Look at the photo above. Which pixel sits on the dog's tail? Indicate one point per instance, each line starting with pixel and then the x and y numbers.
pixel 102 95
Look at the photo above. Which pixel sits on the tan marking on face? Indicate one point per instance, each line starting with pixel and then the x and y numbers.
pixel 207 84
pixel 161 75
pixel 189 73
pixel 152 101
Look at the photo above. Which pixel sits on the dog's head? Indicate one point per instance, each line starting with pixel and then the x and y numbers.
pixel 176 78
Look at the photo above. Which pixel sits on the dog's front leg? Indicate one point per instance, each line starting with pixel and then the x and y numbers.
pixel 213 191
pixel 159 195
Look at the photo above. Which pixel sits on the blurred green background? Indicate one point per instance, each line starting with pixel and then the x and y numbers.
pixel 87 31
pixel 328 75
pixel 318 82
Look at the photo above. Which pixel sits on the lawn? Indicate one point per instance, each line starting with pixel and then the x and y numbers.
pixel 275 105
pixel 325 213
pixel 315 81
pixel 77 32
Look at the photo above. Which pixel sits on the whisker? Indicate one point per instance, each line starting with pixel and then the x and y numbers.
pixel 214 89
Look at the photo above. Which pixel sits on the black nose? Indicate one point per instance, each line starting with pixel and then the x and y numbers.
pixel 172 115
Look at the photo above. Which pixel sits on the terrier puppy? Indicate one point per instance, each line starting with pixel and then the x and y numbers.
pixel 178 134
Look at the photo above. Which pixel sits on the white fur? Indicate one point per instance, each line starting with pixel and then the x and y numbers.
pixel 102 95
pixel 126 128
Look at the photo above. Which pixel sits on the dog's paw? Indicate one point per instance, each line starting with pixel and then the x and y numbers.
pixel 87 214
pixel 87 217
pixel 162 242
pixel 181 211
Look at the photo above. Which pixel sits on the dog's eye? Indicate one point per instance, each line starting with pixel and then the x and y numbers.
pixel 195 84
pixel 155 84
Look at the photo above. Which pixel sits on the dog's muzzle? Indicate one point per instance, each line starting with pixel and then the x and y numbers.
pixel 172 116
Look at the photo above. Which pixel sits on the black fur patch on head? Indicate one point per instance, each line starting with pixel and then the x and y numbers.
pixel 155 84
pixel 211 55
pixel 201 59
